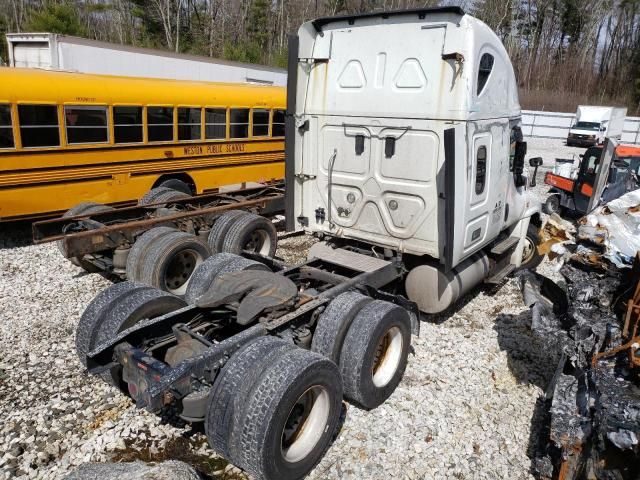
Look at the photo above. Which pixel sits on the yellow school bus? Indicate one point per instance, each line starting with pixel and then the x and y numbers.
pixel 67 138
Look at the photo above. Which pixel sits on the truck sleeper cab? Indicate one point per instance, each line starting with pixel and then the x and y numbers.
pixel 407 142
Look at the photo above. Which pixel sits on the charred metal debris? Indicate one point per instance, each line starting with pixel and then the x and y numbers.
pixel 591 321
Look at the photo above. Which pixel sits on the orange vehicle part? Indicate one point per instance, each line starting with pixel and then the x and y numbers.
pixel 557 181
pixel 627 151
pixel 586 189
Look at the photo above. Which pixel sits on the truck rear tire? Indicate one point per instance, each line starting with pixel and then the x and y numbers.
pixel 161 194
pixel 253 233
pixel 86 331
pixel 139 248
pixel 206 273
pixel 113 310
pixel 169 261
pixel 220 228
pixel 84 208
pixel 232 386
pixel 530 256
pixel 374 353
pixel 289 417
pixel 334 323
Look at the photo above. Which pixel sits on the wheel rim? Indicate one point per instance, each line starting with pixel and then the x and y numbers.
pixel 180 269
pixel 305 424
pixel 528 250
pixel 388 356
pixel 553 205
pixel 258 241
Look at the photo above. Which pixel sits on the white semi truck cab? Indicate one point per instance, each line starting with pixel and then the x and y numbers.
pixel 404 142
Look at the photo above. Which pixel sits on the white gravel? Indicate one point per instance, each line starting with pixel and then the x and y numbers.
pixel 463 411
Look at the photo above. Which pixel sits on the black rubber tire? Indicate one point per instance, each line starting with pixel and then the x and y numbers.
pixel 242 230
pixel 221 227
pixel 170 196
pixel 359 350
pixel 139 248
pixel 534 238
pixel 86 331
pixel 334 323
pixel 205 274
pixel 129 310
pixel 161 194
pixel 256 440
pixel 157 257
pixel 178 185
pixel 232 387
pixel 552 205
pixel 119 307
pixel 82 209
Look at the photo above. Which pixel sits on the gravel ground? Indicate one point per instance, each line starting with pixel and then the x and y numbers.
pixel 466 408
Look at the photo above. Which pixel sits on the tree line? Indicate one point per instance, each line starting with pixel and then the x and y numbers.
pixel 565 52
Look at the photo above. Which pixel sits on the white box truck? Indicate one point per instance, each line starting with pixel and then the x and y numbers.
pixel 593 124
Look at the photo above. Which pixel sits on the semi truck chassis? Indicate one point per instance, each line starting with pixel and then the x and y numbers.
pixel 252 332
pixel 100 238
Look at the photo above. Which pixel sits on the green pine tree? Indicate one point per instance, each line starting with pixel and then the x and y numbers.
pixel 57 18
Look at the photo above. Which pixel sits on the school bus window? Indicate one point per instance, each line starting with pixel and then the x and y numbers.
pixel 39 125
pixel 6 130
pixel 127 124
pixel 189 123
pixel 215 120
pixel 239 122
pixel 260 123
pixel 277 130
pixel 86 124
pixel 160 124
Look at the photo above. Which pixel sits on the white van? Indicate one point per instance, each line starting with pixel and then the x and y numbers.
pixel 593 124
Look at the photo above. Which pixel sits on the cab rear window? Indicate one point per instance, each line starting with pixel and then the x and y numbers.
pixel 484 71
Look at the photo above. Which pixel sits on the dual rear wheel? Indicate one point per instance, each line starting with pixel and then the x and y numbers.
pixel 274 409
pixel 167 258
pixel 369 340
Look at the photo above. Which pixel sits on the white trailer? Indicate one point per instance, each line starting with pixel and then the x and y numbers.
pixel 408 143
pixel 61 52
pixel 594 124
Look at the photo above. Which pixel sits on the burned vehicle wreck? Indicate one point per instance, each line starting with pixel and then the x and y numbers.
pixel 591 321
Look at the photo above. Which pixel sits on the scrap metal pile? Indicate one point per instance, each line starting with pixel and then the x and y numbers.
pixel 591 321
